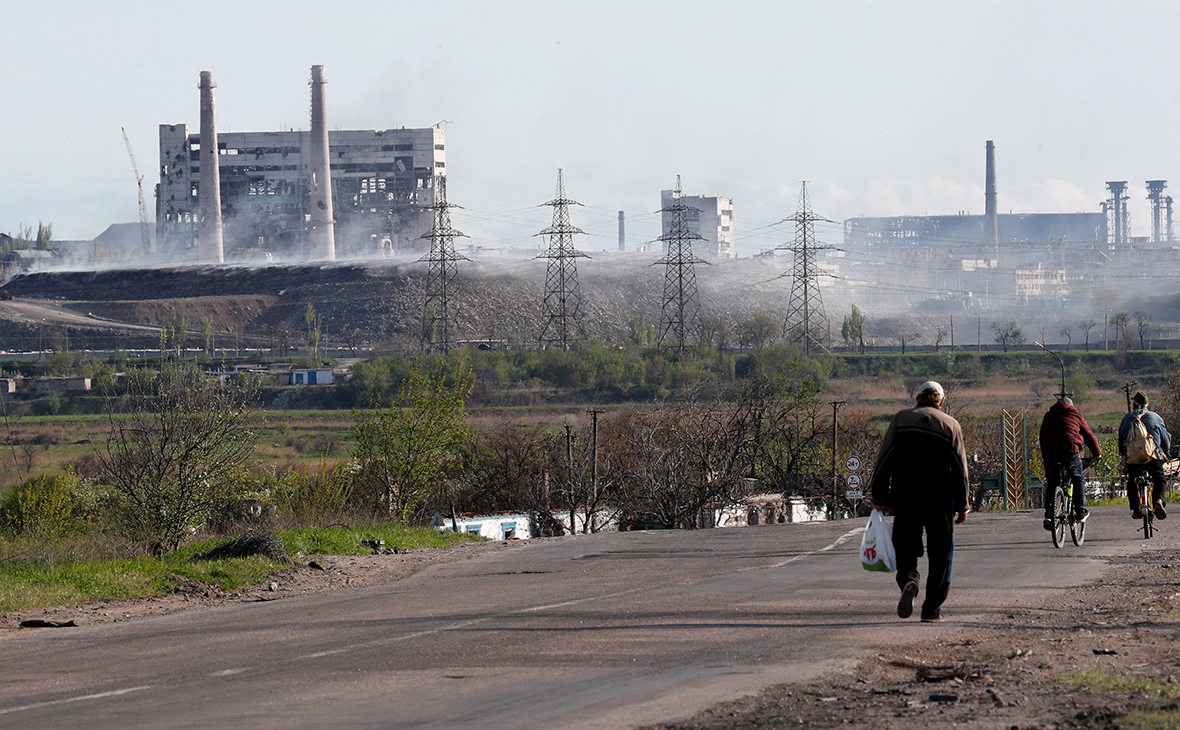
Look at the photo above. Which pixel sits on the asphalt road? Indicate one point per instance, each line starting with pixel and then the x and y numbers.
pixel 596 631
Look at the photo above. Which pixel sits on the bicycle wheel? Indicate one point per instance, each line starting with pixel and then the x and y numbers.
pixel 1147 520
pixel 1077 531
pixel 1060 517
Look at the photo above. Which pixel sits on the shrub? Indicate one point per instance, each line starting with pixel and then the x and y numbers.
pixel 50 505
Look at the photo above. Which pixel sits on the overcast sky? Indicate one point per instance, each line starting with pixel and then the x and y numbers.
pixel 883 107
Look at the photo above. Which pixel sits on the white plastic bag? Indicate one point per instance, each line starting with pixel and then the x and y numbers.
pixel 876 547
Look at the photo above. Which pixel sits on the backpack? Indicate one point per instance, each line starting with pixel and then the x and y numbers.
pixel 1141 447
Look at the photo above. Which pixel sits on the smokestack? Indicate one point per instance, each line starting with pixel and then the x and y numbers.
pixel 323 226
pixel 991 224
pixel 622 238
pixel 210 246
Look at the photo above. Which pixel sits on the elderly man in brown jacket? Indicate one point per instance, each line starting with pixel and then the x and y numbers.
pixel 921 475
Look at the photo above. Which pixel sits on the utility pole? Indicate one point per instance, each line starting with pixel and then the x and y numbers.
pixel 569 475
pixel 1127 392
pixel 835 476
pixel 806 321
pixel 563 299
pixel 593 464
pixel 680 315
pixel 443 273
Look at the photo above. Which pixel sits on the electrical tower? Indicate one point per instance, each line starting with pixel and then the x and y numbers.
pixel 563 298
pixel 806 321
pixel 681 311
pixel 443 274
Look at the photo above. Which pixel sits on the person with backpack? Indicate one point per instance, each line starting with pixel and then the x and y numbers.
pixel 1064 433
pixel 1144 443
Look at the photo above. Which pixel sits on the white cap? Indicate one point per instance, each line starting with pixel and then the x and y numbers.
pixel 931 387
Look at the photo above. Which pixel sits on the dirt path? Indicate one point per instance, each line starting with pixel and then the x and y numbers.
pixel 34 312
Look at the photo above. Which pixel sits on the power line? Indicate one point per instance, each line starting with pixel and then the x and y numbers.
pixel 806 322
pixel 680 315
pixel 563 298
pixel 443 275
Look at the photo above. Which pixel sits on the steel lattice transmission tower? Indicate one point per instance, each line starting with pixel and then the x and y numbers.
pixel 806 321
pixel 681 312
pixel 563 298
pixel 443 275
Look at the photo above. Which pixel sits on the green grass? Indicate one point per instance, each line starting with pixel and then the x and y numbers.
pixel 340 540
pixel 1153 720
pixel 1098 681
pixel 35 582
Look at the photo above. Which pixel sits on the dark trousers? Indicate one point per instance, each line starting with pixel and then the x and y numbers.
pixel 1155 470
pixel 940 549
pixel 1073 470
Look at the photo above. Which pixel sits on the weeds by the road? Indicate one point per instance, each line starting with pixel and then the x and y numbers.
pixel 1097 680
pixel 40 575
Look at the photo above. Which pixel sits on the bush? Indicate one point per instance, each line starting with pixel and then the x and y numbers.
pixel 50 505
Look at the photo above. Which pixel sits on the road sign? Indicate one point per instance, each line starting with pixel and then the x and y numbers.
pixel 853 481
pixel 853 463
pixel 853 494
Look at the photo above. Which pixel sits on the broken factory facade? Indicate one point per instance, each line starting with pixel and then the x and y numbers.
pixel 380 182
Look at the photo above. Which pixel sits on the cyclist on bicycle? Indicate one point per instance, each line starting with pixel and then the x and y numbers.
pixel 1064 432
pixel 1154 468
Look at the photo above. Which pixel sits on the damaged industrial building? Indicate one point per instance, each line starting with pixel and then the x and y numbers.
pixel 293 195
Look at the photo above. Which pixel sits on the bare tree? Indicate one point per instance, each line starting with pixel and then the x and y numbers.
pixel 1008 334
pixel 1067 333
pixel 903 329
pixel 1121 323
pixel 505 467
pixel 171 439
pixel 941 336
pixel 1086 326
pixel 677 460
pixel 758 331
pixel 906 337
pixel 353 338
pixel 1142 322
pixel 714 332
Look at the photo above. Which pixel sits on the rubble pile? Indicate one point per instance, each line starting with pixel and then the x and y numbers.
pixel 381 303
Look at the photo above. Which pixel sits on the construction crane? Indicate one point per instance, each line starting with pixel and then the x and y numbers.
pixel 145 233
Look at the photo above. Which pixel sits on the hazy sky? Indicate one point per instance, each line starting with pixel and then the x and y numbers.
pixel 883 107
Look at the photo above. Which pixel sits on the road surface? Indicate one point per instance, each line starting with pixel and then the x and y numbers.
pixel 595 631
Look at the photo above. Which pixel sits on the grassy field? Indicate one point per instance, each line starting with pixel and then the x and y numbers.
pixel 38 444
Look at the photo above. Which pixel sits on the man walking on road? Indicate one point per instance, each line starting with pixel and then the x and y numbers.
pixel 921 474
pixel 1064 432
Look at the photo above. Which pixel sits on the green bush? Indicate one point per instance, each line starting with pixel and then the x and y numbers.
pixel 50 505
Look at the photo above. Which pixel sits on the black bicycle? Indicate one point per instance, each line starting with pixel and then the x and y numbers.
pixel 1063 512
pixel 1143 481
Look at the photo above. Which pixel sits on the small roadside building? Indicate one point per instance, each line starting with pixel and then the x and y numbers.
pixel 312 377
pixel 520 526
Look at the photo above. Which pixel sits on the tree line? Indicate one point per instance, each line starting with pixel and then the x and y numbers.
pixel 904 330
pixel 178 458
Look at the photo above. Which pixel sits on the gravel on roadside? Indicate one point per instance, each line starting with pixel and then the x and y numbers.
pixel 1101 656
